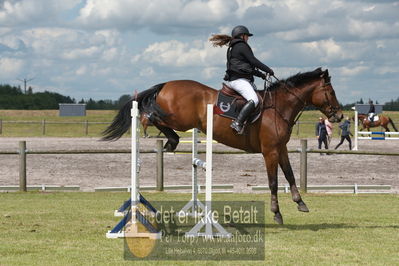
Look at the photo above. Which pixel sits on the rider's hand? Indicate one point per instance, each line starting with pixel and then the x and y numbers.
pixel 271 72
pixel 262 75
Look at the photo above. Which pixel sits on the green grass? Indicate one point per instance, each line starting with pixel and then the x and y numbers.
pixel 53 130
pixel 69 229
pixel 304 130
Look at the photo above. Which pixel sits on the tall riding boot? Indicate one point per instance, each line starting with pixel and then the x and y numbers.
pixel 238 124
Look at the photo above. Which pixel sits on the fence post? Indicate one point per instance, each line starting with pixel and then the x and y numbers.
pixel 159 180
pixel 87 127
pixel 22 166
pixel 304 166
pixel 297 129
pixel 44 127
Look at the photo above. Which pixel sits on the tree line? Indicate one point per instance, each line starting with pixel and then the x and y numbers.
pixel 14 98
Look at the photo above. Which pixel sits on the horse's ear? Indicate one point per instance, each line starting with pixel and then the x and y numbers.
pixel 325 74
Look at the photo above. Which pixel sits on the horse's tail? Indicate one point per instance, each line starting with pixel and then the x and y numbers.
pixel 122 121
pixel 393 125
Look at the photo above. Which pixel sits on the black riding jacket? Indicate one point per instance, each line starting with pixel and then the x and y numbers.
pixel 241 62
pixel 372 108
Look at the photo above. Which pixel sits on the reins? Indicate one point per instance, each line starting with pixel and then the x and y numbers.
pixel 274 106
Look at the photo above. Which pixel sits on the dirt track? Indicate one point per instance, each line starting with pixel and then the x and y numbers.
pixel 91 170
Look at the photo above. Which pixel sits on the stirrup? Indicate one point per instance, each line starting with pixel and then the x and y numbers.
pixel 237 127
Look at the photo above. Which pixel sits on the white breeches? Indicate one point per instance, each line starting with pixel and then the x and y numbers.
pixel 245 88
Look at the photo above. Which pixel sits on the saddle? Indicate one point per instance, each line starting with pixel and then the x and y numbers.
pixel 229 104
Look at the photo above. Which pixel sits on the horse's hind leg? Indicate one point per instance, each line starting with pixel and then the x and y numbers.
pixel 289 175
pixel 170 134
pixel 271 160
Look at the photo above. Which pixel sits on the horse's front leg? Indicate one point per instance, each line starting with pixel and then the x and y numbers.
pixel 271 161
pixel 289 175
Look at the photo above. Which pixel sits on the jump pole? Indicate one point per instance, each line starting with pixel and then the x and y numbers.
pixel 206 221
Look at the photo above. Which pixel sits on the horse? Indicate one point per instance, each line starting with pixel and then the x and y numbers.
pixel 181 105
pixel 383 121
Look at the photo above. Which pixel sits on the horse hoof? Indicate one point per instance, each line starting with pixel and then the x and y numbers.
pixel 302 207
pixel 278 218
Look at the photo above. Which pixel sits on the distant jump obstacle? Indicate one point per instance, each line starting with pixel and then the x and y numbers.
pixel 373 135
pixel 134 216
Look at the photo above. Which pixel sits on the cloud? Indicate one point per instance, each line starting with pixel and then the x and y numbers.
pixel 147 72
pixel 10 67
pixel 179 54
pixel 24 12
pixel 212 72
pixel 352 71
pixel 327 50
pixel 158 15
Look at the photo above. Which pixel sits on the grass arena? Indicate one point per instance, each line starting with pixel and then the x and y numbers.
pixel 69 228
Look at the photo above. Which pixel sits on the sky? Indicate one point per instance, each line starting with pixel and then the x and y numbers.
pixel 102 49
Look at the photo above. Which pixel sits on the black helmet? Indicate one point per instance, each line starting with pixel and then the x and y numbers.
pixel 239 30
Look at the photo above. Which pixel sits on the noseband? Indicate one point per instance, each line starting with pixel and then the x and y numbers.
pixel 331 110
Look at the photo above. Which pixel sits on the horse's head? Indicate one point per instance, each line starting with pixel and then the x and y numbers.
pixel 323 97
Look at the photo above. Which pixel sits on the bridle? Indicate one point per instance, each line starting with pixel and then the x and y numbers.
pixel 331 110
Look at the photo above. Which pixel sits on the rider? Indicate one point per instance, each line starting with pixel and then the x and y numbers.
pixel 242 65
pixel 371 111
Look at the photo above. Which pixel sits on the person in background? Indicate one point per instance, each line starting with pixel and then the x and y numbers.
pixel 329 127
pixel 321 133
pixel 371 111
pixel 345 133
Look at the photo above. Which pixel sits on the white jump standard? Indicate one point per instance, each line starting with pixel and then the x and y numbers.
pixel 128 226
pixel 195 207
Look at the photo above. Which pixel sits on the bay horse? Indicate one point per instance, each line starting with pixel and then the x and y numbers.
pixel 181 105
pixel 383 121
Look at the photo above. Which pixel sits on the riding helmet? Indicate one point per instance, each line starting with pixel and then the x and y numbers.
pixel 240 30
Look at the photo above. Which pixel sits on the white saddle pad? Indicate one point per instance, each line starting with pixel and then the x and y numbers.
pixel 376 118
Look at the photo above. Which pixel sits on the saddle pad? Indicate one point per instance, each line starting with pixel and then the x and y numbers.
pixel 376 118
pixel 230 107
pixel 227 106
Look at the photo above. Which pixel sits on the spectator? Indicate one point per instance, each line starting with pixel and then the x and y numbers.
pixel 345 134
pixel 321 133
pixel 329 128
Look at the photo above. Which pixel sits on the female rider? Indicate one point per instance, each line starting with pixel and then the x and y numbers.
pixel 242 65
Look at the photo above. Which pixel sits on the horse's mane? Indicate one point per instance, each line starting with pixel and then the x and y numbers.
pixel 297 79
